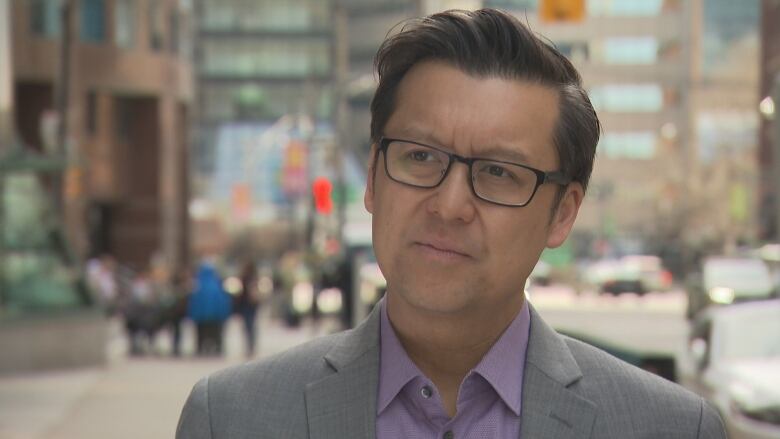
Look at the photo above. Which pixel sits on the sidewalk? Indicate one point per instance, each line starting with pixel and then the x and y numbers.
pixel 131 397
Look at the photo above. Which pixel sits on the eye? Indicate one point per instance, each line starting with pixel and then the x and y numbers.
pixel 496 171
pixel 420 155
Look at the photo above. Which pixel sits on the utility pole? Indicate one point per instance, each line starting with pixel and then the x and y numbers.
pixel 6 123
pixel 341 51
pixel 6 84
pixel 63 100
pixel 692 15
pixel 776 151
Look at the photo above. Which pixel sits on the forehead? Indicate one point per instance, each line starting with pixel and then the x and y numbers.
pixel 440 104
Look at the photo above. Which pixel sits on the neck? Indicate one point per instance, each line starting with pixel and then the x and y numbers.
pixel 447 346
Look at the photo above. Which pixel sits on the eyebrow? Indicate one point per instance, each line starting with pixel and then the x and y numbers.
pixel 503 153
pixel 494 152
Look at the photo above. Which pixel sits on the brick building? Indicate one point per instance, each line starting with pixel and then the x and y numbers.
pixel 128 108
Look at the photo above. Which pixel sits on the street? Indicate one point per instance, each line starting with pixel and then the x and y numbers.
pixel 131 397
pixel 135 397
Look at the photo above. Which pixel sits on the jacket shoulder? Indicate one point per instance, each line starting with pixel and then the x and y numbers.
pixel 264 397
pixel 633 399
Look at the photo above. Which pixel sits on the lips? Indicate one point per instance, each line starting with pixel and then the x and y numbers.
pixel 445 248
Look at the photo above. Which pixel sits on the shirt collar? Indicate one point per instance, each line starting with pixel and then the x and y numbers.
pixel 504 363
pixel 502 366
pixel 396 369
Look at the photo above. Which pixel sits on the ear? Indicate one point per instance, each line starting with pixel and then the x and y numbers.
pixel 368 197
pixel 565 215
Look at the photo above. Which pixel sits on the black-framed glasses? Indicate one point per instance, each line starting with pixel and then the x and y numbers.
pixel 495 181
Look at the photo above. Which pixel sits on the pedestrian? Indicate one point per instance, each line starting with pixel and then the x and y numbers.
pixel 483 144
pixel 101 280
pixel 247 303
pixel 209 307
pixel 181 287
pixel 142 313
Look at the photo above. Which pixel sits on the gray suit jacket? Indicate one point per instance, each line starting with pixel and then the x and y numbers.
pixel 327 389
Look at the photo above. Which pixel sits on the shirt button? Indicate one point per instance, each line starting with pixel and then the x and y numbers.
pixel 426 392
pixel 449 435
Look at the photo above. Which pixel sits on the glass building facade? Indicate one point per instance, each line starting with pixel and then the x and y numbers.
pixel 259 60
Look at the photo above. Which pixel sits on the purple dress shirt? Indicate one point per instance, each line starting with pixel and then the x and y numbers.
pixel 489 398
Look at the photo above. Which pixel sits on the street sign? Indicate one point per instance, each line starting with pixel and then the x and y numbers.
pixel 552 11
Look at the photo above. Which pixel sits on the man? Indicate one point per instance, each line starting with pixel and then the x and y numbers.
pixel 483 143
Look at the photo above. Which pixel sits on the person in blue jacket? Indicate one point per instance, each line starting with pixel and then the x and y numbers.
pixel 209 307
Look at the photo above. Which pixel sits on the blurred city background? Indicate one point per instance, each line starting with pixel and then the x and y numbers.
pixel 181 187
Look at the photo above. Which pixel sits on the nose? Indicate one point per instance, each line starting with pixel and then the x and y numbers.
pixel 453 199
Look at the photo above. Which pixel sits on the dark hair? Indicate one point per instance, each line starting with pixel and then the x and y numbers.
pixel 492 43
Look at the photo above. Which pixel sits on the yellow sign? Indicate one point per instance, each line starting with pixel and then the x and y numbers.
pixel 561 10
pixel 73 186
pixel 241 199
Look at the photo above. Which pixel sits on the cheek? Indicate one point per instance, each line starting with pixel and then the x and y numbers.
pixel 517 247
pixel 388 220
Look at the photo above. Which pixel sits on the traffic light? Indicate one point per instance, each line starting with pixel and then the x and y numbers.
pixel 561 10
pixel 322 189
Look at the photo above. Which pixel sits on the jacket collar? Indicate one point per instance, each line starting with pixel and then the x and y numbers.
pixel 551 407
pixel 343 404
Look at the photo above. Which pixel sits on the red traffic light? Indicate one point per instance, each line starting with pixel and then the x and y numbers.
pixel 321 188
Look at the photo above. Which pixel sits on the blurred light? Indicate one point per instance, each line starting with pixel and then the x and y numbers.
pixel 669 131
pixel 667 278
pixel 232 285
pixel 368 292
pixel 329 301
pixel 199 208
pixel 302 296
pixel 767 107
pixel 742 393
pixel 322 190
pixel 770 252
pixel 265 286
pixel 722 295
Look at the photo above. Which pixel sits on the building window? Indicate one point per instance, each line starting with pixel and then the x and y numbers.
pixel 91 113
pixel 45 18
pixel 514 5
pixel 268 15
pixel 576 51
pixel 624 8
pixel 298 58
pixel 92 15
pixel 627 50
pixel 249 101
pixel 627 98
pixel 156 25
pixel 123 114
pixel 174 30
pixel 638 145
pixel 124 23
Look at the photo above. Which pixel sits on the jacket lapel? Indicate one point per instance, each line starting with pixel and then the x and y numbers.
pixel 343 404
pixel 550 408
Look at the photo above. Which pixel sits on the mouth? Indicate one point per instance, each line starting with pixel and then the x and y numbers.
pixel 441 251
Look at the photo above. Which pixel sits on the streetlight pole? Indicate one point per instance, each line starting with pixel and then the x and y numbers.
pixel 341 43
pixel 63 99
pixel 776 151
pixel 6 123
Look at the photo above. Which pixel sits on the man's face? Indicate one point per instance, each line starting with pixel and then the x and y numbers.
pixel 443 250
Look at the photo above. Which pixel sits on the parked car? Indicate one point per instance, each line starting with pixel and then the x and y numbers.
pixel 727 280
pixel 733 360
pixel 541 274
pixel 638 274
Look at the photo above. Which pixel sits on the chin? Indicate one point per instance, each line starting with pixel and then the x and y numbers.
pixel 435 300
